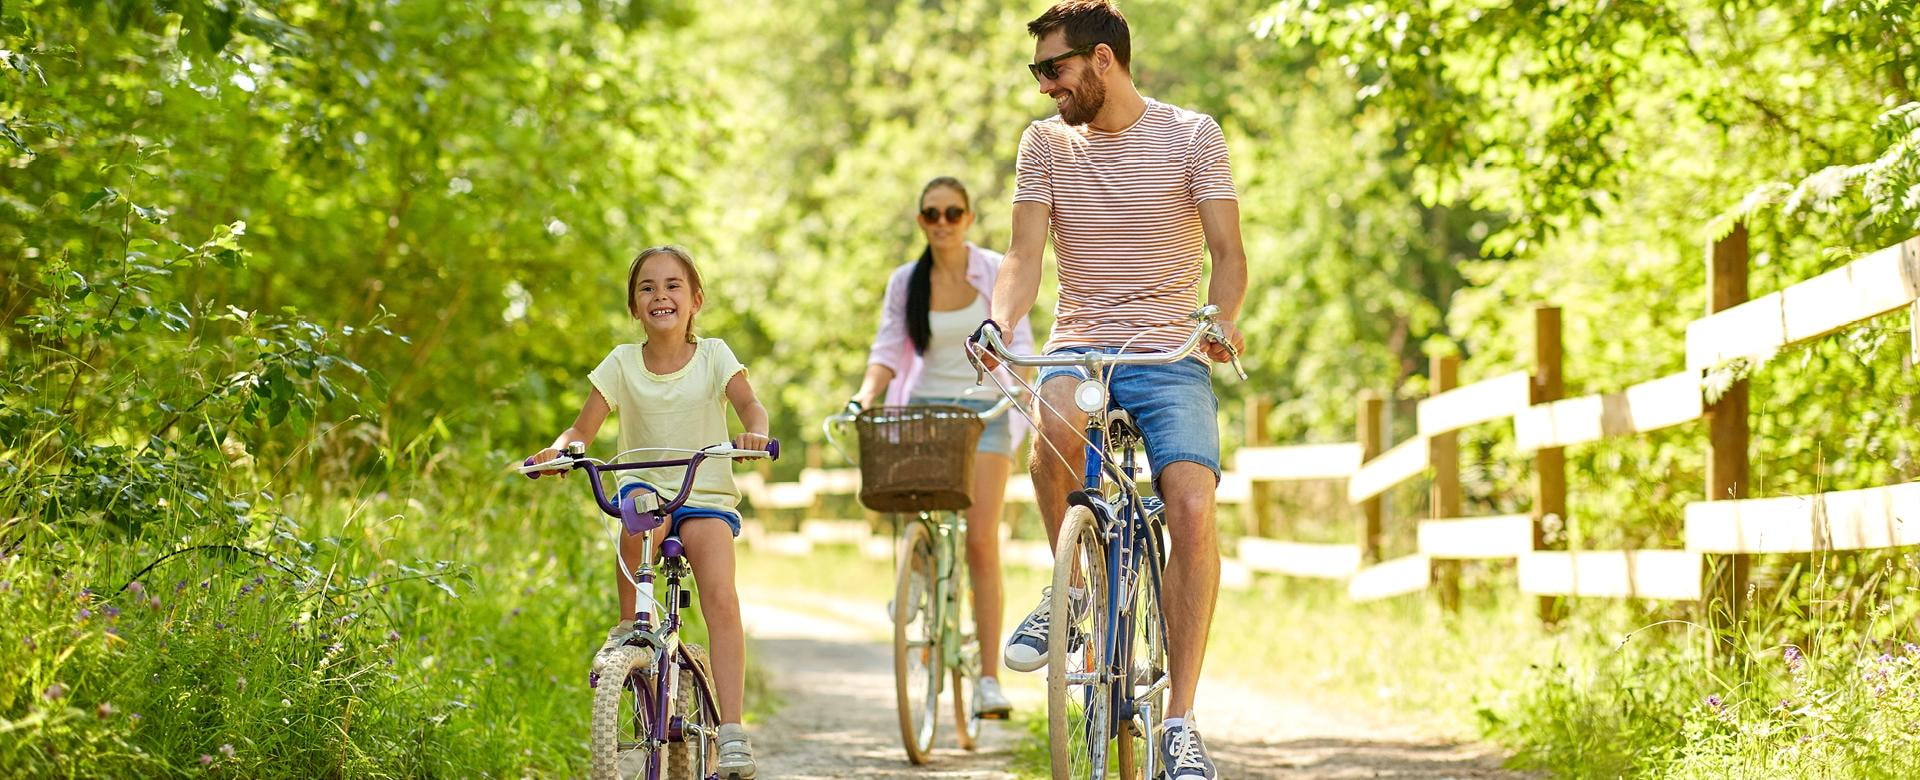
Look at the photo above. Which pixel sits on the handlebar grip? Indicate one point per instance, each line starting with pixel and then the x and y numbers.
pixel 529 462
pixel 773 449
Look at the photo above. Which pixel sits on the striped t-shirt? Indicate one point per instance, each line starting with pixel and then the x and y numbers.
pixel 1126 221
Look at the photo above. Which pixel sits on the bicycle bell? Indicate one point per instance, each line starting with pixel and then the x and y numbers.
pixel 1090 396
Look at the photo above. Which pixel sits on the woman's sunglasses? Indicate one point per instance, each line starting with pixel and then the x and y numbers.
pixel 1049 68
pixel 932 215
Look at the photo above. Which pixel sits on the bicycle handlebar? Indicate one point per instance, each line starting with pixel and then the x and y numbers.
pixel 569 461
pixel 1205 329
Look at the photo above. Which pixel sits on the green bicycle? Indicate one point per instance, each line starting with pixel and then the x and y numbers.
pixel 916 462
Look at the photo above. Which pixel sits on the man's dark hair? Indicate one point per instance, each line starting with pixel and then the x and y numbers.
pixel 1087 22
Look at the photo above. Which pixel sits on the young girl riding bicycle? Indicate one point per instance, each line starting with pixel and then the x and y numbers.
pixel 672 391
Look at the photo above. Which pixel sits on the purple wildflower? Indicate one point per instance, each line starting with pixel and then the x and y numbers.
pixel 205 759
pixel 246 589
pixel 55 691
pixel 180 586
pixel 259 580
pixel 154 602
pixel 393 636
pixel 137 588
pixel 1911 648
pixel 219 626
pixel 1795 661
pixel 110 611
pixel 112 631
pixel 28 641
pixel 1713 700
pixel 84 614
pixel 86 593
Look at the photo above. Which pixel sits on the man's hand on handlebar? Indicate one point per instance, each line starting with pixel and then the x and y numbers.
pixel 1218 351
pixel 977 346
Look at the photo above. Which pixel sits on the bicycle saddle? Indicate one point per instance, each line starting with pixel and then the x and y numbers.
pixel 1120 429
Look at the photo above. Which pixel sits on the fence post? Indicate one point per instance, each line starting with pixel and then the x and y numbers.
pixel 1443 453
pixel 1372 416
pixel 1260 518
pixel 1549 465
pixel 1726 587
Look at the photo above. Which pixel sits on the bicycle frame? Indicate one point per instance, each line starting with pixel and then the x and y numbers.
pixel 949 571
pixel 1132 551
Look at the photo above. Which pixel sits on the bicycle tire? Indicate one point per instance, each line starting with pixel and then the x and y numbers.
pixel 917 653
pixel 622 674
pixel 693 753
pixel 1078 691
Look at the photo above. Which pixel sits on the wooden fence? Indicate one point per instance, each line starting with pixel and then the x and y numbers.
pixel 1722 529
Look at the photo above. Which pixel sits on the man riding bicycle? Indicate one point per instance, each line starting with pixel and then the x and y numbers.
pixel 1130 189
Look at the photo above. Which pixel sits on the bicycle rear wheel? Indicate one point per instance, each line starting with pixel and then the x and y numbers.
pixel 693 747
pixel 1079 693
pixel 622 692
pixel 916 643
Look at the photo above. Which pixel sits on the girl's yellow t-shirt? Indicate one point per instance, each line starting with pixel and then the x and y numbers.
pixel 685 409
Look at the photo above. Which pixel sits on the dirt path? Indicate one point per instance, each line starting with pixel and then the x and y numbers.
pixel 833 671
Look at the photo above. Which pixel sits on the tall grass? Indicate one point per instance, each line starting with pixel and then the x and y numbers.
pixel 438 629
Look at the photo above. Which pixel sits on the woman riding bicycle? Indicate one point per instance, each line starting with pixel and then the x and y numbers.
pixel 919 356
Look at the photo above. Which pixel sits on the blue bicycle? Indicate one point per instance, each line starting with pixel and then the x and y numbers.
pixel 1107 682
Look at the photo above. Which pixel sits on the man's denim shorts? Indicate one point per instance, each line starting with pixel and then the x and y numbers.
pixel 1173 405
pixel 997 437
pixel 685 513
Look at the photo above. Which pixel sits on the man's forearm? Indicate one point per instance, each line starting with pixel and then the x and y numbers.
pixel 1228 287
pixel 1015 289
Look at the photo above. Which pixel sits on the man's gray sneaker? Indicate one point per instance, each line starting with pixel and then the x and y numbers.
pixel 1182 752
pixel 1026 649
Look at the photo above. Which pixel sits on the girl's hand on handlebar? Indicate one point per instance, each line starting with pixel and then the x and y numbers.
pixel 751 441
pixel 544 456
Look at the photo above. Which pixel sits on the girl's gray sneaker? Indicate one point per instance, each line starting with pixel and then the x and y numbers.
pixel 736 754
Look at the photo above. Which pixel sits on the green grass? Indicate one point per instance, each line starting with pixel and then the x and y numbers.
pixel 440 632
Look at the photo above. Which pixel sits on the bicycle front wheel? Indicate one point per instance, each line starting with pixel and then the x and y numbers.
pixel 1079 692
pixel 622 692
pixel 916 643
pixel 1148 681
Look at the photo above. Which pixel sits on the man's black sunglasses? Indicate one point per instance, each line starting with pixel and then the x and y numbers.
pixel 1049 68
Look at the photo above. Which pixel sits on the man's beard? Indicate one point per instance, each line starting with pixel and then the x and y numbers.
pixel 1086 102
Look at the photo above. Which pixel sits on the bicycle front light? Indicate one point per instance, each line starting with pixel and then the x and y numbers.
pixel 1090 396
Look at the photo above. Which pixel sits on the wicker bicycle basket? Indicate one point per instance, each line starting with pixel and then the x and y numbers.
pixel 917 458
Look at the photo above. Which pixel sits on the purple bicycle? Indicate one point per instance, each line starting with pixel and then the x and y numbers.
pixel 654 711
